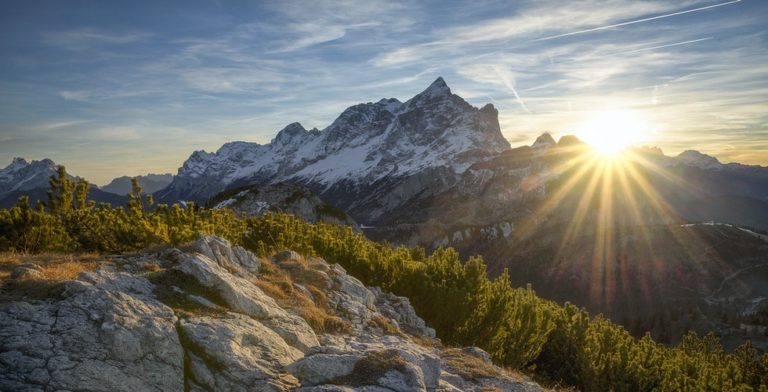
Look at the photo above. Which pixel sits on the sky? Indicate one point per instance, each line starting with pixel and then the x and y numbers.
pixel 112 88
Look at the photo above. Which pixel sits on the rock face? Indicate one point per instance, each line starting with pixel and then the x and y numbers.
pixel 284 197
pixel 108 333
pixel 199 321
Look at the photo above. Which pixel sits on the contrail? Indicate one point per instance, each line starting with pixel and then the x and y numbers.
pixel 669 45
pixel 511 88
pixel 635 21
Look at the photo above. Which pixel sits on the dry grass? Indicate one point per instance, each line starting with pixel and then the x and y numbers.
pixel 468 366
pixel 55 269
pixel 278 283
pixel 152 267
pixel 385 325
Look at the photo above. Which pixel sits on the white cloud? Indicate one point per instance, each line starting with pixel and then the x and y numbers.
pixel 87 37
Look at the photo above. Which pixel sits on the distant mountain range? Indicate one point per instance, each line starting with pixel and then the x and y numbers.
pixel 22 178
pixel 150 183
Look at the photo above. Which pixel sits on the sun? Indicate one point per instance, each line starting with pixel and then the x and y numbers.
pixel 610 132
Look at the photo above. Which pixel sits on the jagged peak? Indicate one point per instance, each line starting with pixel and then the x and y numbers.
pixel 696 158
pixel 287 134
pixel 390 104
pixel 293 128
pixel 200 154
pixel 436 89
pixel 545 140
pixel 20 163
pixel 489 109
pixel 569 140
pixel 16 164
pixel 647 150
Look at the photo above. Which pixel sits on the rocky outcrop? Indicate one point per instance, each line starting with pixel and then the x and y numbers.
pixel 196 319
pixel 282 197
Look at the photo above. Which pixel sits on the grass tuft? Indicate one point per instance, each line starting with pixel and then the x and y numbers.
pixel 468 366
pixel 55 269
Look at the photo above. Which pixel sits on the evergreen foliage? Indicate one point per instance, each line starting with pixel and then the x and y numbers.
pixel 560 343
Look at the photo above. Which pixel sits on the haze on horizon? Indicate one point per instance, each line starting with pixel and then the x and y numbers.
pixel 132 88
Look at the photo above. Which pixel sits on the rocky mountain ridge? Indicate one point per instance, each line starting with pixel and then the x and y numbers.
pixel 371 159
pixel 199 318
pixel 22 178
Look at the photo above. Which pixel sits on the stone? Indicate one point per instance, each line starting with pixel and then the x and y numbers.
pixel 235 352
pixel 286 255
pixel 26 273
pixel 243 296
pixel 322 368
pixel 226 255
pixel 479 353
pixel 130 345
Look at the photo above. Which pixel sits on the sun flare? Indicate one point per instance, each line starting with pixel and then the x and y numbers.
pixel 610 132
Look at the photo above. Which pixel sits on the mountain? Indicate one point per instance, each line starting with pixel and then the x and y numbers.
pixel 214 317
pixel 294 199
pixel 22 178
pixel 373 158
pixel 150 183
pixel 435 171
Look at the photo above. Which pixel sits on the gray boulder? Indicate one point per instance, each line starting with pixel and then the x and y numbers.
pixel 236 353
pixel 243 296
pixel 108 334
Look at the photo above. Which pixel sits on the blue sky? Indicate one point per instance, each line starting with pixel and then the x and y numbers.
pixel 125 88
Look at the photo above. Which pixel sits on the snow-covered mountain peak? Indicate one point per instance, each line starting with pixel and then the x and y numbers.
pixel 17 164
pixel 288 134
pixel 22 175
pixel 437 88
pixel 390 104
pixel 543 141
pixel 489 109
pixel 697 159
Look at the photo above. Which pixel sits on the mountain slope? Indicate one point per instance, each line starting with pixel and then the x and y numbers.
pixel 281 197
pixel 371 159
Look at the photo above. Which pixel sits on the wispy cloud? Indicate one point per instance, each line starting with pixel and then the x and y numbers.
pixel 85 38
pixel 525 25
pixel 509 82
pixel 631 22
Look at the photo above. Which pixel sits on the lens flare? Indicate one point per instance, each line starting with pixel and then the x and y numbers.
pixel 610 132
